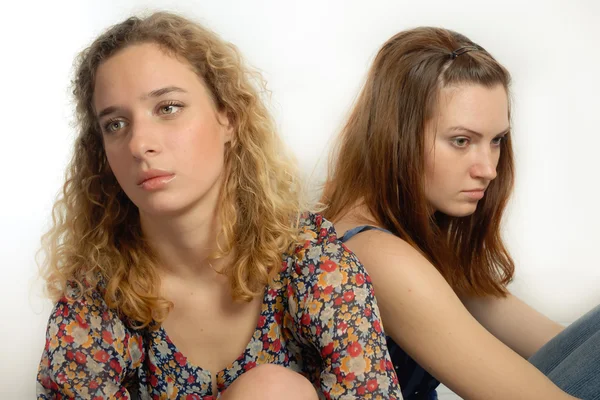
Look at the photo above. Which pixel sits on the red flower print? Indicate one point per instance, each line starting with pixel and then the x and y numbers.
pixel 152 368
pixel 180 358
pixel 342 326
pixel 305 319
pixel 360 390
pixel 70 355
pixel 338 301
pixel 153 381
pixel 372 385
pixel 335 356
pixel 350 377
pixel 80 357
pixel 114 364
pixel 192 397
pixel 382 364
pixel 355 349
pixel 190 380
pixel 338 374
pixel 107 337
pixel 101 356
pixel 94 385
pixel 328 290
pixel 82 322
pixel 377 326
pixel 318 220
pixel 261 321
pixel 367 312
pixel 360 279
pixel 327 350
pixel 348 296
pixel 276 346
pixel 279 318
pixel 328 266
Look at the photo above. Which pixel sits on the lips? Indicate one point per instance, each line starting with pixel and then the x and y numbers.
pixel 151 174
pixel 475 194
pixel 474 190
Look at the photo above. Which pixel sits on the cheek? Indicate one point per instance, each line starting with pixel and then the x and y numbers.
pixel 497 159
pixel 430 166
pixel 202 146
pixel 441 171
pixel 115 160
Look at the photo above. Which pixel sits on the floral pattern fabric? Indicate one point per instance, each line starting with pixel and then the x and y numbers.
pixel 319 317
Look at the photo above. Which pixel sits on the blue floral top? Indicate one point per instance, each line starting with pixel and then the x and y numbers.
pixel 318 318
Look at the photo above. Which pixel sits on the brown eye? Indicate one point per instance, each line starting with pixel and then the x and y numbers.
pixel 113 126
pixel 460 142
pixel 169 109
pixel 497 141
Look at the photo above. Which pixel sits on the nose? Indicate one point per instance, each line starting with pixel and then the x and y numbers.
pixel 484 165
pixel 144 140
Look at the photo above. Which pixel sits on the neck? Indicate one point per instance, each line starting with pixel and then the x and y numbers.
pixel 358 213
pixel 184 243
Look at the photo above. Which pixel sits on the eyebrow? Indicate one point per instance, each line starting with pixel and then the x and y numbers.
pixel 462 128
pixel 163 91
pixel 153 94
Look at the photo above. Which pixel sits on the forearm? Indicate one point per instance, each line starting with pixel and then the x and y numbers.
pixel 513 322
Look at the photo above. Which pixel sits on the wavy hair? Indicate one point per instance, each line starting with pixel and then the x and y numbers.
pixel 380 158
pixel 96 241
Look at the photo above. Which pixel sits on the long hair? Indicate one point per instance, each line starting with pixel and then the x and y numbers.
pixel 379 158
pixel 96 240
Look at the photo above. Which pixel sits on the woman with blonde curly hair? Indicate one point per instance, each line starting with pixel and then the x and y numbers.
pixel 179 258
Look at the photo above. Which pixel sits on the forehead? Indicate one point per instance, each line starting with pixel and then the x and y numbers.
pixel 476 107
pixel 139 69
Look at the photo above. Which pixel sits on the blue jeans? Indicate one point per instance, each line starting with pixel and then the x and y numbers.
pixel 572 359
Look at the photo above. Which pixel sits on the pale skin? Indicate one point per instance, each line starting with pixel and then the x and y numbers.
pixel 475 346
pixel 158 118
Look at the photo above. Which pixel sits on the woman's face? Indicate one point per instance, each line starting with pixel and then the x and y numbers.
pixel 163 136
pixel 462 146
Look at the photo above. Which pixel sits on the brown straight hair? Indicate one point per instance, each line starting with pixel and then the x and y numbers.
pixel 379 158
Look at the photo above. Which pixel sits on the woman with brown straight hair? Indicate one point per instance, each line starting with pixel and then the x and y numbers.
pixel 417 189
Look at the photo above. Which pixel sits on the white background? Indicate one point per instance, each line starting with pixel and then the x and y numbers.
pixel 314 55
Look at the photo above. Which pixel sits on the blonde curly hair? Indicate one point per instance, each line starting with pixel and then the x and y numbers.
pixel 96 240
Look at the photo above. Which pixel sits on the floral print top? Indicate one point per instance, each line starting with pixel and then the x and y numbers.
pixel 319 318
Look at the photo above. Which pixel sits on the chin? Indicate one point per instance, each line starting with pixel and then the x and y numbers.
pixel 160 207
pixel 463 210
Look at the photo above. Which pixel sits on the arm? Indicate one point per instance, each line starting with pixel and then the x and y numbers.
pixel 516 324
pixel 88 352
pixel 426 318
pixel 337 314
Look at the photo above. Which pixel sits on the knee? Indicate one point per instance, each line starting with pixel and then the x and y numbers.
pixel 279 382
pixel 270 382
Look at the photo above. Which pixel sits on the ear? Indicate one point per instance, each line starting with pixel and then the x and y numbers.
pixel 226 126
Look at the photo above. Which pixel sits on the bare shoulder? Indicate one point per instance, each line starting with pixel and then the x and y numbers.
pixel 382 252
